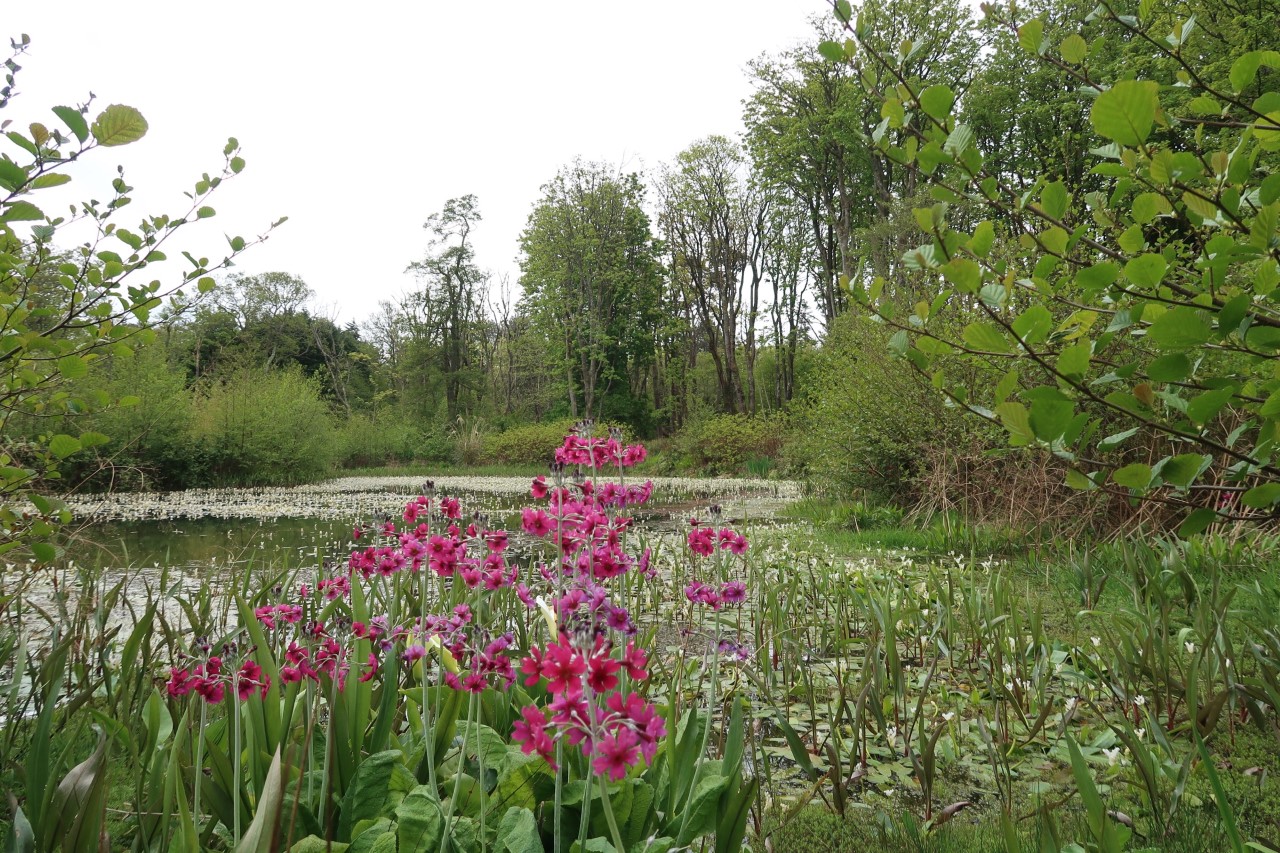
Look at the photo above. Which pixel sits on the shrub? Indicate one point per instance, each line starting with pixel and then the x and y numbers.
pixel 723 444
pixel 387 437
pixel 260 427
pixel 865 424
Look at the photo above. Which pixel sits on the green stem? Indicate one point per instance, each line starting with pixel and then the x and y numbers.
pixel 608 816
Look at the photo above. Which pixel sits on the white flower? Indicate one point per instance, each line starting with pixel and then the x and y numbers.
pixel 1190 647
pixel 1141 733
pixel 1140 700
pixel 1097 641
pixel 948 716
pixel 1113 756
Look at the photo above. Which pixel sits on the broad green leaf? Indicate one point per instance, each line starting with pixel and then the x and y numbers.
pixel 1073 362
pixel 74 120
pixel 1016 419
pixel 1169 368
pixel 1245 68
pixel 1054 199
pixel 1031 35
pixel 73 366
pixel 1197 522
pixel 1033 325
pixel 937 101
pixel 1146 270
pixel 964 273
pixel 1050 418
pixel 831 51
pixel 1073 49
pixel 62 445
pixel 983 238
pixel 119 125
pixel 517 833
pixel 985 337
pixel 1097 277
pixel 1261 497
pixel 1114 440
pixel 1134 476
pixel 20 211
pixel 1126 112
pixel 420 822
pixel 1180 328
pixel 1204 407
pixel 1182 470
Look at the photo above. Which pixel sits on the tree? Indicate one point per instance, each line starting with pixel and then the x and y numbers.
pixel 1138 322
pixel 591 282
pixel 713 218
pixel 61 311
pixel 446 311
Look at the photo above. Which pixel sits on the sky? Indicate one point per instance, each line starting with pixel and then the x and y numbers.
pixel 359 121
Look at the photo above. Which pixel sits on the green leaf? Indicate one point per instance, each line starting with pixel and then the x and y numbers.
pixel 983 238
pixel 1135 476
pixel 964 273
pixel 1033 325
pixel 259 837
pixel 1114 440
pixel 1097 277
pixel 367 795
pixel 74 120
pixel 1261 497
pixel 985 337
pixel 119 125
pixel 1078 481
pixel 73 366
pixel 1197 522
pixel 1182 470
pixel 831 51
pixel 1074 360
pixel 1180 328
pixel 937 101
pixel 62 445
pixel 1169 368
pixel 1126 112
pixel 1016 420
pixel 44 552
pixel 1050 418
pixel 517 833
pixel 1073 49
pixel 1204 407
pixel 420 822
pixel 1054 199
pixel 1245 68
pixel 21 211
pixel 1146 270
pixel 1271 406
pixel 205 212
pixel 1031 35
pixel 50 179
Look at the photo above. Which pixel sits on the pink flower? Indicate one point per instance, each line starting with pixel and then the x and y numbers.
pixel 616 752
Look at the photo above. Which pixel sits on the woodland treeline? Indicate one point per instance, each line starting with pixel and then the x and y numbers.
pixel 708 303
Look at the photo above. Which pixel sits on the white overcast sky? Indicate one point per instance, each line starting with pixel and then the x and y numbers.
pixel 359 121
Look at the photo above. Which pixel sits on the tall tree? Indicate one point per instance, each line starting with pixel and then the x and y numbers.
pixel 713 216
pixel 448 308
pixel 591 282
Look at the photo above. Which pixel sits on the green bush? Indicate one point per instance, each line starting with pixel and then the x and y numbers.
pixel 531 444
pixel 724 444
pixel 388 437
pixel 865 423
pixel 261 427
